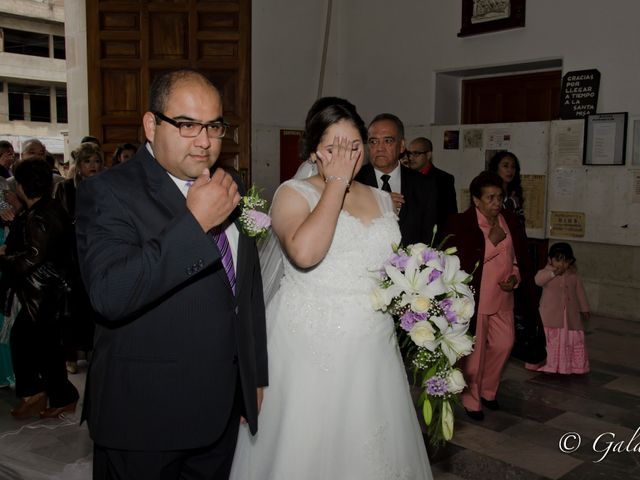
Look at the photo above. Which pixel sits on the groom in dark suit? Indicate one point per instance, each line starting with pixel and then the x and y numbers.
pixel 181 355
pixel 414 195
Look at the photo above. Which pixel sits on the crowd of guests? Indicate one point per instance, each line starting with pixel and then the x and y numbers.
pixel 46 319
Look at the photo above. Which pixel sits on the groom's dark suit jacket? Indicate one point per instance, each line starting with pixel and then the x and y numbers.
pixel 174 338
pixel 419 213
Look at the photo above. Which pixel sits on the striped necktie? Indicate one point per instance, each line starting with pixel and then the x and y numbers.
pixel 222 242
pixel 225 254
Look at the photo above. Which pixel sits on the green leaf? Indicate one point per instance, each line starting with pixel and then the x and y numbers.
pixel 427 412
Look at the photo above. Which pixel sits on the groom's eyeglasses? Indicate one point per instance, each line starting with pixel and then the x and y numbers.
pixel 191 129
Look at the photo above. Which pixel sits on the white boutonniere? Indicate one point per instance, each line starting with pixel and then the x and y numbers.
pixel 254 222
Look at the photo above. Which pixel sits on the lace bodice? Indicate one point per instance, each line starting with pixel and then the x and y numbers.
pixel 355 251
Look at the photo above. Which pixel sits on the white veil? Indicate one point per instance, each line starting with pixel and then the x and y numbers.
pixel 269 250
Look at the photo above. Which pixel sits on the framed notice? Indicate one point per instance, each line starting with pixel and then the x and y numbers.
pixel 605 138
pixel 482 16
pixel 567 224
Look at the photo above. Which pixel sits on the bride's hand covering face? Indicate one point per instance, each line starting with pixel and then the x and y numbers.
pixel 340 152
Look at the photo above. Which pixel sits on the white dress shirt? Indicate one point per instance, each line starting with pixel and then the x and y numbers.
pixel 394 181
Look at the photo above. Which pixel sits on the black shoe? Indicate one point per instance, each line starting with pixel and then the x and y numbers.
pixel 490 404
pixel 477 416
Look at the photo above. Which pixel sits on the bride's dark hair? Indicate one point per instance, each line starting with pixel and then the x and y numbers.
pixel 323 113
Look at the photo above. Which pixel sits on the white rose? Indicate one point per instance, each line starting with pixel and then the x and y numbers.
pixel 417 248
pixel 455 381
pixel 380 298
pixel 420 304
pixel 463 308
pixel 422 334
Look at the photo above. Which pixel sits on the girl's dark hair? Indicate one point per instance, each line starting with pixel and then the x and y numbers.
pixel 562 251
pixel 484 179
pixel 35 177
pixel 515 185
pixel 323 113
pixel 121 148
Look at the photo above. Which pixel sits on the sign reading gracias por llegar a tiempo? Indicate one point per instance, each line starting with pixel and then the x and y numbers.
pixel 579 95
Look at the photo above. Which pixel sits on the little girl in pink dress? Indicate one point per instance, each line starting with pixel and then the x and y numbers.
pixel 563 309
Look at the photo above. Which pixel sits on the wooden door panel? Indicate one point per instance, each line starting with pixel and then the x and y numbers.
pixel 121 92
pixel 515 98
pixel 168 36
pixel 129 43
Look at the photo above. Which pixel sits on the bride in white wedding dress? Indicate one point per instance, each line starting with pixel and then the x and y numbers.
pixel 338 405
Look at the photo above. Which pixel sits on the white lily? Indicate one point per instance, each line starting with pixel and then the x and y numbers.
pixel 455 342
pixel 412 280
pixel 453 277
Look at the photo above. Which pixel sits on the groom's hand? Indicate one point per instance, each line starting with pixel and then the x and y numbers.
pixel 211 199
pixel 259 397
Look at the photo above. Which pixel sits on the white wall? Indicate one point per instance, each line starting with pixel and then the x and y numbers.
pixel 384 56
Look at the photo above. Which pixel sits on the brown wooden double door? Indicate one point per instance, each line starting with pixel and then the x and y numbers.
pixel 130 42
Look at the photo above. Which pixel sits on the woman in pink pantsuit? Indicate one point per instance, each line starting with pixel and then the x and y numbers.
pixel 563 309
pixel 496 242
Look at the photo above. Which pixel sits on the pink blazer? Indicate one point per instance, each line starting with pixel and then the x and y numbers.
pixel 560 292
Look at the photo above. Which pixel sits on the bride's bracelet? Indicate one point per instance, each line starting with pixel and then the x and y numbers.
pixel 332 178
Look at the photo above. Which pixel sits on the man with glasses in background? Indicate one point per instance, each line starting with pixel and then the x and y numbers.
pixel 420 155
pixel 414 195
pixel 180 356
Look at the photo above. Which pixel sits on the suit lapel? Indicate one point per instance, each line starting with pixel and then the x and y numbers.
pixel 244 244
pixel 405 189
pixel 369 176
pixel 160 185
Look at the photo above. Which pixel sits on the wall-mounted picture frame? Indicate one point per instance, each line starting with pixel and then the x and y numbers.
pixel 483 16
pixel 605 139
pixel 633 141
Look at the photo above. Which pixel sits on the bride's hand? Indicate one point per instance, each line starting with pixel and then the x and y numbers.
pixel 340 160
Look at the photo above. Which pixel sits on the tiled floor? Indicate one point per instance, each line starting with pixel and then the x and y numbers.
pixel 519 442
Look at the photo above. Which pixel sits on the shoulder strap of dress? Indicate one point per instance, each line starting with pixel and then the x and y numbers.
pixel 308 191
pixel 384 200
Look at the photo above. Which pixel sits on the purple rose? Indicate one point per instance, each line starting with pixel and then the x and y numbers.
pixel 428 254
pixel 437 386
pixel 259 219
pixel 398 260
pixel 449 314
pixel 409 318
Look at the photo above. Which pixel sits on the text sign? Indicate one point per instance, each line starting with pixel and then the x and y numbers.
pixel 579 95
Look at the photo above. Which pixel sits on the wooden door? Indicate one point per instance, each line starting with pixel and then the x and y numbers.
pixel 130 42
pixel 515 98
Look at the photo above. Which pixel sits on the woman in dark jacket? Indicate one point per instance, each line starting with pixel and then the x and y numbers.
pixel 34 263
pixel 494 240
pixel 79 327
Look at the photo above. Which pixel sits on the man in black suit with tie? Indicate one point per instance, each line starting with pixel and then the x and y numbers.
pixel 180 356
pixel 420 154
pixel 414 195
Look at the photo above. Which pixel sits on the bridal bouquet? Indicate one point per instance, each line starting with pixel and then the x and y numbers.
pixel 254 222
pixel 430 298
